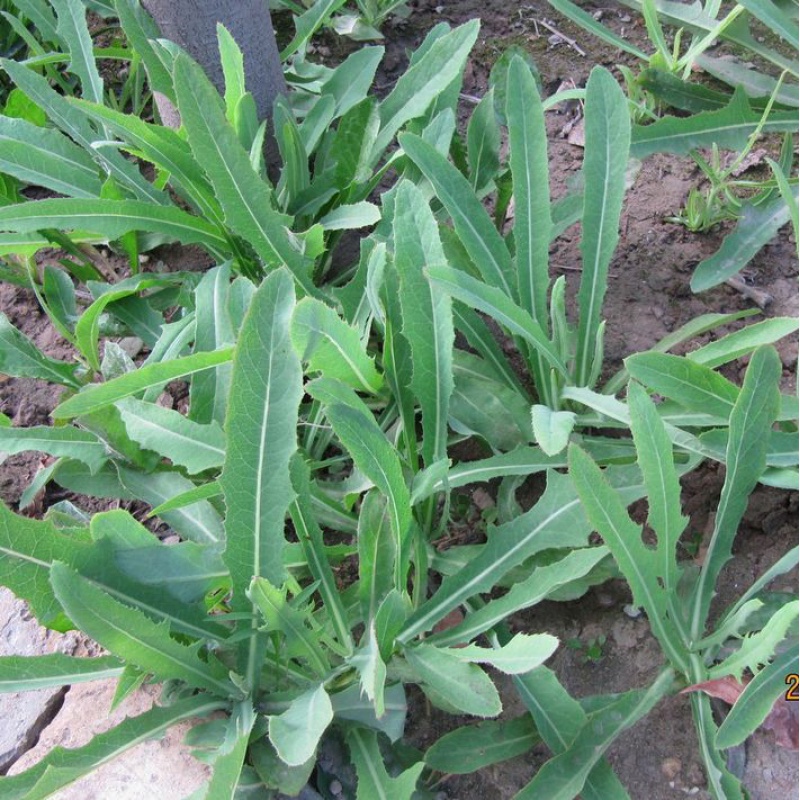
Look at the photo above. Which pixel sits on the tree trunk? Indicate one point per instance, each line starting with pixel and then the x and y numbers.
pixel 193 25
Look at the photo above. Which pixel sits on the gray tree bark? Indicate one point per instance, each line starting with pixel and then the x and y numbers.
pixel 193 25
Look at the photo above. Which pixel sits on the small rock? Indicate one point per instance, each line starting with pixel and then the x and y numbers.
pixel 671 768
pixel 335 788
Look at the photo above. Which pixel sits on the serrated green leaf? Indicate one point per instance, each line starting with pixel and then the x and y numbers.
pixel 20 358
pixel 474 747
pixel 245 198
pixel 559 719
pixel 75 124
pixel 427 316
pixel 641 566
pixel 757 225
pixel 165 149
pixel 27 549
pixel 208 393
pixel 266 388
pixel 586 21
pixel 296 733
pixel 475 230
pixel 45 157
pixel 526 593
pixel 377 553
pixel 378 460
pixel 496 304
pixel 351 705
pixel 743 341
pixel 308 23
pixel 374 782
pixel 97 396
pixel 199 522
pixel 465 687
pixel 371 670
pixel 483 144
pixel 757 700
pixel 112 219
pixel 529 169
pixel 564 776
pixel 758 648
pixel 275 773
pixel 557 520
pixel 26 673
pixel 654 455
pixel 130 635
pixel 61 767
pixel 186 443
pixel 331 346
pixel 351 216
pixel 729 128
pixel 230 755
pixel 74 33
pixel 313 547
pixel 693 385
pixel 426 78
pixel 751 420
pixel 70 442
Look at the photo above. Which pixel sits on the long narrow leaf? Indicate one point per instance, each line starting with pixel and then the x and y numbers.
pixel 529 170
pixel 751 420
pixel 641 565
pixel 112 219
pixel 756 227
pixel 129 635
pixel 563 777
pixel 61 767
pixel 245 198
pixel 729 127
pixel 605 163
pixel 97 396
pixel 497 304
pixel 26 673
pixel 427 316
pixel 261 428
pixel 45 157
pixel 74 32
pixel 473 226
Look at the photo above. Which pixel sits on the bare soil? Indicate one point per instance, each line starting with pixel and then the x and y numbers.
pixel 649 296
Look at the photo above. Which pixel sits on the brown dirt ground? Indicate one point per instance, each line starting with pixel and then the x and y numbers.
pixel 648 297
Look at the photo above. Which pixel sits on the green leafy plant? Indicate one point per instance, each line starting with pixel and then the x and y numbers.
pixel 508 279
pixel 361 23
pixel 215 165
pixel 758 104
pixel 677 597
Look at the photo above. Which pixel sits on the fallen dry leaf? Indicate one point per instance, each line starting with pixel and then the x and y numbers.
pixel 782 720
